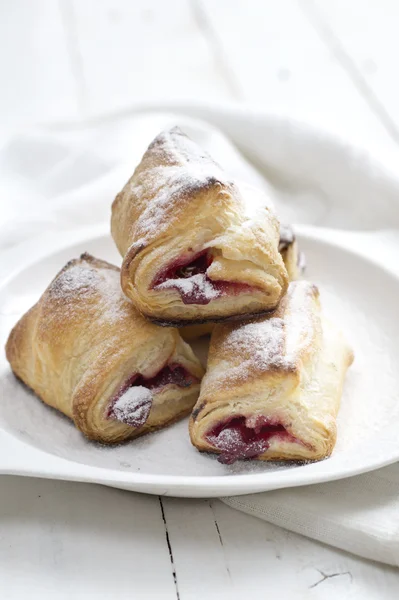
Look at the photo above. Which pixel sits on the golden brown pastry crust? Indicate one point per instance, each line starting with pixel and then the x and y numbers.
pixel 286 370
pixel 179 204
pixel 83 340
pixel 293 261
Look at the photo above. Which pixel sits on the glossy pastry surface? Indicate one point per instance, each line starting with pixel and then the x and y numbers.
pixel 196 247
pixel 86 351
pixel 273 386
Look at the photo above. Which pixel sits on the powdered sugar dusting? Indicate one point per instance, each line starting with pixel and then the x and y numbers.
pixel 173 170
pixel 164 186
pixel 249 350
pixel 302 322
pixel 367 423
pixel 191 287
pixel 134 406
pixel 177 168
pixel 79 278
pixel 262 342
pixel 269 343
pixel 82 283
pixel 236 439
pixel 233 447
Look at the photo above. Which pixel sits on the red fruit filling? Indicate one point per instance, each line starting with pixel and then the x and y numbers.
pixel 237 440
pixel 132 403
pixel 172 374
pixel 188 276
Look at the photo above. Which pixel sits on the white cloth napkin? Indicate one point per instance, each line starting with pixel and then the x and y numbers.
pixel 359 515
pixel 60 179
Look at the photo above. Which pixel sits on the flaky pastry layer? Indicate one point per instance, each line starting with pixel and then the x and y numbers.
pixel 273 386
pixel 82 346
pixel 294 263
pixel 194 247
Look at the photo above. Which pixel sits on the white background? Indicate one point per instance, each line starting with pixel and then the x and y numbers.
pixel 334 62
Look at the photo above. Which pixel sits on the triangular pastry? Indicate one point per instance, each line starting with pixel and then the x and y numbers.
pixel 86 351
pixel 196 246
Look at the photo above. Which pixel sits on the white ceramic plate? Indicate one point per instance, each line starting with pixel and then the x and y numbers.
pixel 361 296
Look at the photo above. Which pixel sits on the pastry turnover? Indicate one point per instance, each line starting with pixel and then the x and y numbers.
pixel 195 246
pixel 273 386
pixel 294 262
pixel 86 351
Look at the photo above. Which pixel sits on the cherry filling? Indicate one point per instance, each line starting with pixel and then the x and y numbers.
pixel 197 266
pixel 132 403
pixel 240 437
pixel 188 276
pixel 172 374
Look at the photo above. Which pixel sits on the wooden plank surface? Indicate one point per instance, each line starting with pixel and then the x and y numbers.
pixel 198 550
pixel 280 61
pixel 64 540
pixel 136 51
pixel 364 35
pixel 277 563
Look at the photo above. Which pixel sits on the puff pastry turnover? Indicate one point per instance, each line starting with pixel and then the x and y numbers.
pixel 273 386
pixel 194 248
pixel 86 351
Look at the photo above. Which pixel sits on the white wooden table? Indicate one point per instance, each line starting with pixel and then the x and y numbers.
pixel 334 61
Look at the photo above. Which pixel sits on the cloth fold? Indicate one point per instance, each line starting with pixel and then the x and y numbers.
pixel 61 179
pixel 359 515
